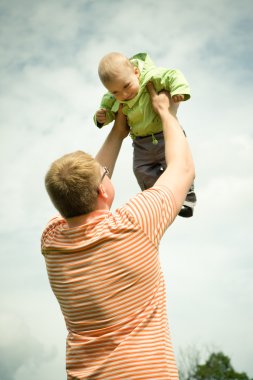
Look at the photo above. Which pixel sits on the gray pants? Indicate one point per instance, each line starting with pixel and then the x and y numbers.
pixel 148 160
pixel 149 163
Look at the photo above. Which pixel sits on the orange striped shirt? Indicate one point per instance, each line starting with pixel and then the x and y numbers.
pixel 107 278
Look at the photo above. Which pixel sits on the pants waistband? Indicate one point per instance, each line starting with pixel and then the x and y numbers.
pixel 148 136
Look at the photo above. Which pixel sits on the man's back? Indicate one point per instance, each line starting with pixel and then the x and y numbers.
pixel 106 276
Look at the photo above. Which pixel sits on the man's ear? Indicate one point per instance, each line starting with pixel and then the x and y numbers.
pixel 101 191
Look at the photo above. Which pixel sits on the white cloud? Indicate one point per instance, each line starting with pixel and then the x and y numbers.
pixel 20 352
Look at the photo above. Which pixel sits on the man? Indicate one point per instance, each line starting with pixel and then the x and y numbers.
pixel 104 267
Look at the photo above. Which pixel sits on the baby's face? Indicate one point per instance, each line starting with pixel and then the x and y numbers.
pixel 125 85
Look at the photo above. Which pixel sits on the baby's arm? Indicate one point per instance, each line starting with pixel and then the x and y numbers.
pixel 101 116
pixel 105 114
pixel 174 82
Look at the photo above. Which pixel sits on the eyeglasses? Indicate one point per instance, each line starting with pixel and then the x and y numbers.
pixel 106 172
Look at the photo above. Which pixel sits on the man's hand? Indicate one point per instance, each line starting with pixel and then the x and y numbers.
pixel 178 98
pixel 161 102
pixel 101 116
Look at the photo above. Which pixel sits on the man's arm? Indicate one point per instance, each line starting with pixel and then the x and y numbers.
pixel 108 153
pixel 179 173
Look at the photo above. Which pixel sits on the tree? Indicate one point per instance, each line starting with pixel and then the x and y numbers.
pixel 218 367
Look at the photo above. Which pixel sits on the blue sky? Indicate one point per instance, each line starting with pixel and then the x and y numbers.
pixel 49 92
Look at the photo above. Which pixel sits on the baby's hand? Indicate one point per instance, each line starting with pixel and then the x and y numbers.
pixel 178 98
pixel 101 115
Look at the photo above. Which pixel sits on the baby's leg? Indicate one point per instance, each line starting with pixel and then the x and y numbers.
pixel 189 203
pixel 147 176
pixel 149 161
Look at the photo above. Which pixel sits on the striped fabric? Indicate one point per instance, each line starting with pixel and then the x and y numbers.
pixel 107 279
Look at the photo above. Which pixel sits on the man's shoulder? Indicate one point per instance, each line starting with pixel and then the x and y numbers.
pixel 155 192
pixel 152 211
pixel 51 226
pixel 54 221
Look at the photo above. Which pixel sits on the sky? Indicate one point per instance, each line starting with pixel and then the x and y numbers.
pixel 49 90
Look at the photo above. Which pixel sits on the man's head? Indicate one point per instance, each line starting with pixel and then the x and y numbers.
pixel 73 182
pixel 119 76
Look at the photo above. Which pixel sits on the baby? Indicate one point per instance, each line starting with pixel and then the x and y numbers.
pixel 126 79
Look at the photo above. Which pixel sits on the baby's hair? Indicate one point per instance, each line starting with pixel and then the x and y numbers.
pixel 111 64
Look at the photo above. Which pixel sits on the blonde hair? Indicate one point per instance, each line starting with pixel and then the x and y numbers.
pixel 72 184
pixel 112 64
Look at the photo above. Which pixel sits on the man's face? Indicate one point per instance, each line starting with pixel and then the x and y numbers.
pixel 125 85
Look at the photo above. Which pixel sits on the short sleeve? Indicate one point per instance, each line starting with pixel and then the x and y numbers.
pixel 172 80
pixel 49 231
pixel 154 210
